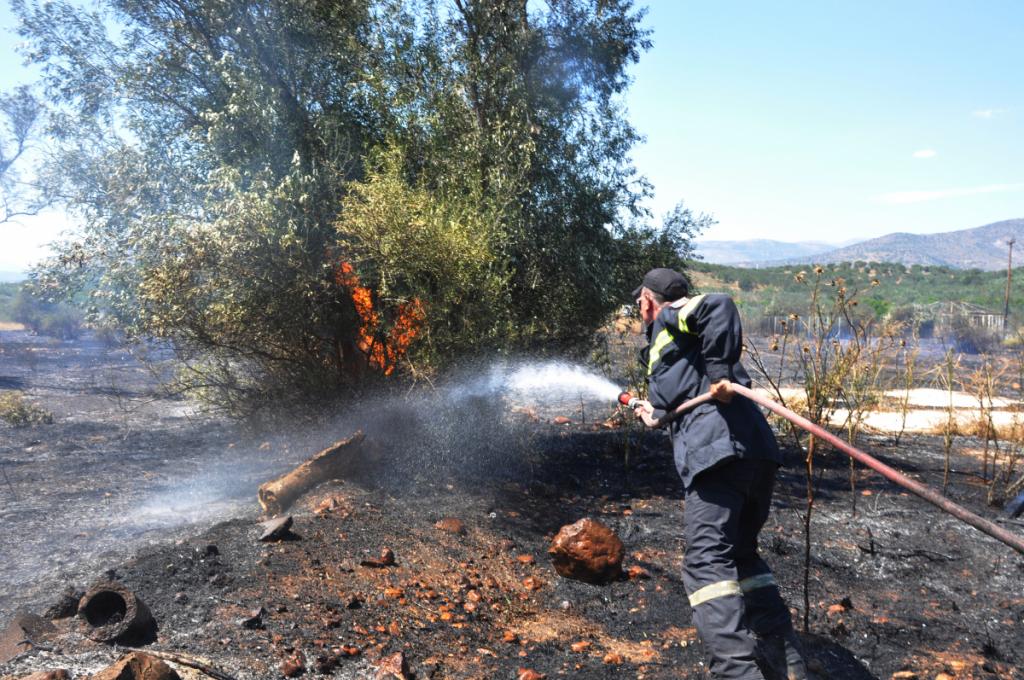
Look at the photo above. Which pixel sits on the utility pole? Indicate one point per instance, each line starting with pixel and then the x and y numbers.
pixel 1009 277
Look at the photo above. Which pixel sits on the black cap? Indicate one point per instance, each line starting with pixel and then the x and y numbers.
pixel 668 283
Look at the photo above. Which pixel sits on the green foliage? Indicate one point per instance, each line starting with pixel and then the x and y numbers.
pixel 17 411
pixel 230 159
pixel 439 248
pixel 56 319
pixel 8 292
pixel 775 290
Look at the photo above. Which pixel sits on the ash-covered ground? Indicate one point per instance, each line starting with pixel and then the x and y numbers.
pixel 121 466
pixel 898 586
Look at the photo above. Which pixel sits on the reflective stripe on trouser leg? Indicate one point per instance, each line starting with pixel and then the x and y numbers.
pixel 715 590
pixel 730 647
pixel 755 582
pixel 766 613
pixel 712 513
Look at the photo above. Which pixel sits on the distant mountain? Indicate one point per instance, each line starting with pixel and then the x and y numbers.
pixel 12 277
pixel 758 251
pixel 978 248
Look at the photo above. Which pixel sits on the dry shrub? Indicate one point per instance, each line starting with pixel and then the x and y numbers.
pixel 17 411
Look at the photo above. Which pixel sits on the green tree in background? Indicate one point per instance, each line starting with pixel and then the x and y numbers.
pixel 304 194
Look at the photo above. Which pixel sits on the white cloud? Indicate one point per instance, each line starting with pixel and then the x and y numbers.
pixel 987 113
pixel 925 153
pixel 903 197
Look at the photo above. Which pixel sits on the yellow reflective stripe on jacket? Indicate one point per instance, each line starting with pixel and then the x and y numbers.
pixel 686 310
pixel 715 591
pixel 663 340
pixel 755 582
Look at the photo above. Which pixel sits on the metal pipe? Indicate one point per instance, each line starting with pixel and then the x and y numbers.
pixel 963 514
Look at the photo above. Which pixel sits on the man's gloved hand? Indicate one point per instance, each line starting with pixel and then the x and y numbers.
pixel 645 412
pixel 722 391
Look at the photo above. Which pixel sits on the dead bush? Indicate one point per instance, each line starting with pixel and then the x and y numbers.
pixel 17 411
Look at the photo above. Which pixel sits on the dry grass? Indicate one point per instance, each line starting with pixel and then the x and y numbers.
pixel 11 326
pixel 16 410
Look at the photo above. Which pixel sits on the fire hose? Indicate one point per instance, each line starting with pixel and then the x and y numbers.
pixel 963 514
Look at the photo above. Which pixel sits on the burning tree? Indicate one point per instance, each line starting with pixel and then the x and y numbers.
pixel 468 163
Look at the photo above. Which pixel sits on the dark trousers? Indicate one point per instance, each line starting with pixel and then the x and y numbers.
pixel 732 591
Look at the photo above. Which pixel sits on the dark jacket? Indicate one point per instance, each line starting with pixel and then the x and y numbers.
pixel 693 343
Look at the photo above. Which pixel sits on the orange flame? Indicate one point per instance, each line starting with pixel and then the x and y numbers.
pixel 383 351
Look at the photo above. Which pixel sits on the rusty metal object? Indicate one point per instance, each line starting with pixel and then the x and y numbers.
pixel 332 463
pixel 963 514
pixel 111 612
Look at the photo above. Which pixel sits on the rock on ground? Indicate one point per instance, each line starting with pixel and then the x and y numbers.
pixel 587 551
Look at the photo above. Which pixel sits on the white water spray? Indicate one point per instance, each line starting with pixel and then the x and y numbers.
pixel 558 380
pixel 539 382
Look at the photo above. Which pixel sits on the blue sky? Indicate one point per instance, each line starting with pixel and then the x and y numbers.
pixel 829 121
pixel 834 120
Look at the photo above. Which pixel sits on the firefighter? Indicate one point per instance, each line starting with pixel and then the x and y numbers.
pixel 727 457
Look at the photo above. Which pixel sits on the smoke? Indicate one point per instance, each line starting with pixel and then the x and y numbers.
pixel 464 427
pixel 161 485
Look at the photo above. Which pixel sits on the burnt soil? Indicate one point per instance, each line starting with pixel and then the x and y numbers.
pixel 895 586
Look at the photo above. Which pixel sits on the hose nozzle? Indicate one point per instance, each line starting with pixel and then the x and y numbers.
pixel 628 400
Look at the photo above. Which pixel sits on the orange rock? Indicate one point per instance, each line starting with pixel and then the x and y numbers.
pixel 394 630
pixel 581 646
pixel 532 583
pixel 943 676
pixel 350 650
pixel 587 551
pixel 393 593
pixel 58 674
pixel 836 609
pixel 561 420
pixel 528 674
pixel 292 667
pixel 526 559
pixel 331 504
pixel 904 675
pixel 613 658
pixel 451 525
pixel 137 666
pixel 473 596
pixel 636 572
pixel 393 666
pixel 510 637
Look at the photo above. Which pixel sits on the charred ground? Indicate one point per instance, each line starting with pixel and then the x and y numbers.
pixel 896 586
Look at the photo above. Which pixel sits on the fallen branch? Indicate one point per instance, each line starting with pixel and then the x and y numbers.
pixel 183 660
pixel 8 480
pixel 332 463
pixel 878 549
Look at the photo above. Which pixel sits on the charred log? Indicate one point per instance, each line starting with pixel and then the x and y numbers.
pixel 334 462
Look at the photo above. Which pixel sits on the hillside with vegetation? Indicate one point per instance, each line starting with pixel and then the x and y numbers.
pixel 885 288
pixel 978 248
pixel 8 291
pixel 757 251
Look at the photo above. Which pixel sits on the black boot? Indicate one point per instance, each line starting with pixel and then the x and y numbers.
pixel 780 657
